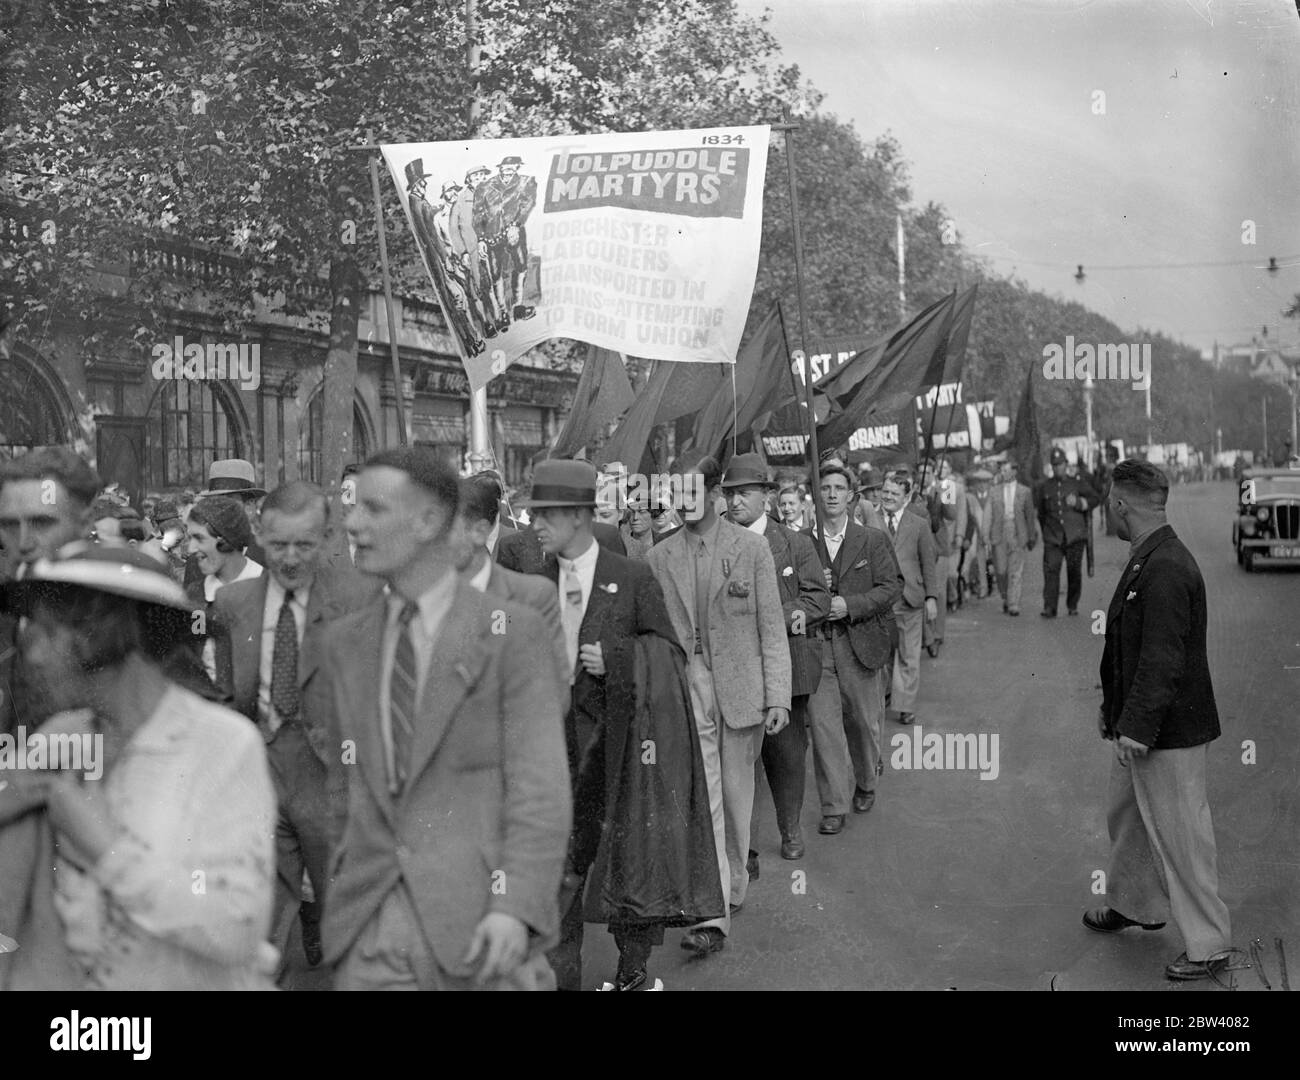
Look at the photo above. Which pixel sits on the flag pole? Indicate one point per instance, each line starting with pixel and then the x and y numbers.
pixel 789 129
pixel 399 396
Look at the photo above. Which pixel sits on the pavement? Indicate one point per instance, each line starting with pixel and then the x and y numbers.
pixel 957 882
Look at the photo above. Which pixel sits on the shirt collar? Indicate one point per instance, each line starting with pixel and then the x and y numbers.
pixel 212 583
pixel 479 579
pixel 585 561
pixel 275 593
pixel 758 525
pixel 430 601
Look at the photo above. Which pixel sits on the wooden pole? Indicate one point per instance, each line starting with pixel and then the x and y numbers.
pixel 481 453
pixel 804 342
pixel 403 427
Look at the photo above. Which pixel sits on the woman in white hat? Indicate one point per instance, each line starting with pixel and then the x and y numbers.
pixel 147 862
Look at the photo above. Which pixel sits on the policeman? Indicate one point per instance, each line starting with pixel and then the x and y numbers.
pixel 1063 504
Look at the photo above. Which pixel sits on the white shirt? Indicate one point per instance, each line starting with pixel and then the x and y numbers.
pixel 480 578
pixel 493 537
pixel 833 542
pixel 270 620
pixel 434 605
pixel 1009 500
pixel 758 525
pixel 211 586
pixel 584 569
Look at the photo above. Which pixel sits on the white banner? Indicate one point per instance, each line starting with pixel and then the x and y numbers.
pixel 643 243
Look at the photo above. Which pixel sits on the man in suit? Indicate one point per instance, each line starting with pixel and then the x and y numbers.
pixel 606 601
pixel 1158 710
pixel 1013 532
pixel 476 518
pixel 451 735
pixel 805 603
pixel 1063 504
pixel 268 646
pixel 719 583
pixel 847 710
pixel 914 547
pixel 522 551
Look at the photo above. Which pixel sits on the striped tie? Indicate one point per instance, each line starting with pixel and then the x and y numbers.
pixel 401 694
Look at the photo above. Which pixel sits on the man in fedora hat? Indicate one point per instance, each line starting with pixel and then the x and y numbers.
pixel 488 295
pixel 805 603
pixel 429 233
pixel 1063 503
pixel 606 602
pixel 502 204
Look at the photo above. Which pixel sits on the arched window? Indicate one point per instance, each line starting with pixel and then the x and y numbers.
pixel 30 414
pixel 311 440
pixel 190 426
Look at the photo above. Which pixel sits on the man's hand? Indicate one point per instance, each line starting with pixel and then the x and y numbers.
pixel 776 720
pixel 931 608
pixel 826 573
pixel 503 942
pixel 839 609
pixel 1128 750
pixel 592 659
pixel 1071 501
pixel 512 234
pixel 79 811
pixel 965 543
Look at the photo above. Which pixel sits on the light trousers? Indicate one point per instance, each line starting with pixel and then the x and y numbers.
pixel 845 714
pixel 907 660
pixel 1009 565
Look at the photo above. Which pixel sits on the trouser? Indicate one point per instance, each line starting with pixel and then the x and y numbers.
pixel 907 660
pixel 976 568
pixel 933 631
pixel 391 953
pixel 302 840
pixel 845 714
pixel 729 757
pixel 1072 555
pixel 1162 856
pixel 634 941
pixel 1009 563
pixel 785 756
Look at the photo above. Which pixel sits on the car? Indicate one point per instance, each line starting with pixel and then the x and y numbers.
pixel 1267 525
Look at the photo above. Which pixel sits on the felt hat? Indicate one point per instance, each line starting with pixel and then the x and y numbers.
pixel 557 482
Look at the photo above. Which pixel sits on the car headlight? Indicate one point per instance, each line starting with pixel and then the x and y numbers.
pixel 1262 513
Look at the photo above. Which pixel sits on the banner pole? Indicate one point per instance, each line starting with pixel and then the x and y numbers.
pixel 481 452
pixel 399 395
pixel 803 339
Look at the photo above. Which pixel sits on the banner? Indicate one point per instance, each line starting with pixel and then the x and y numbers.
pixel 645 244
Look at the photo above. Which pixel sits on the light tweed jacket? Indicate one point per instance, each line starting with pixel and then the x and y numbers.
pixel 747 638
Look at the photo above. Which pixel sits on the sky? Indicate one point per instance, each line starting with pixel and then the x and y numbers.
pixel 996 104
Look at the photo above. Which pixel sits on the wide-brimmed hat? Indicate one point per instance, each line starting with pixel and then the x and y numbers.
pixel 563 483
pixel 232 476
pixel 122 571
pixel 746 470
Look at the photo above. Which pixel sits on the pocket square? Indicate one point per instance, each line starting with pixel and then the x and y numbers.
pixel 738 588
pixel 859 565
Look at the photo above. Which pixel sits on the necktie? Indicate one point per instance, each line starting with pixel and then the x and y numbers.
pixel 893 525
pixel 401 693
pixel 284 667
pixel 571 616
pixel 703 564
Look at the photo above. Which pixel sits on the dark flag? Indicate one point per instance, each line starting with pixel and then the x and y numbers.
pixel 601 396
pixel 1026 446
pixel 762 381
pixel 914 357
pixel 673 390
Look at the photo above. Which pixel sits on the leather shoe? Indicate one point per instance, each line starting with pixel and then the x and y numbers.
pixel 704 940
pixel 1073 611
pixel 1014 611
pixel 863 801
pixel 792 848
pixel 751 866
pixel 630 980
pixel 831 824
pixel 906 718
pixel 1185 970
pixel 1108 921
pixel 1048 614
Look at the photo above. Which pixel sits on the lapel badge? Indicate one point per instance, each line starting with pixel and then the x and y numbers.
pixel 464 674
pixel 726 568
pixel 787 571
pixel 1131 596
pixel 611 588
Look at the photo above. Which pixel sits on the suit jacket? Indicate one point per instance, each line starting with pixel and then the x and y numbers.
pixel 866 574
pixel 238 611
pixel 914 546
pixel 1022 527
pixel 747 639
pixel 531 591
pixel 483 820
pixel 805 602
pixel 625 601
pixel 522 552
pixel 1155 673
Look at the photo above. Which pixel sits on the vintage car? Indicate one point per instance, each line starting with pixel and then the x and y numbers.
pixel 1266 530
